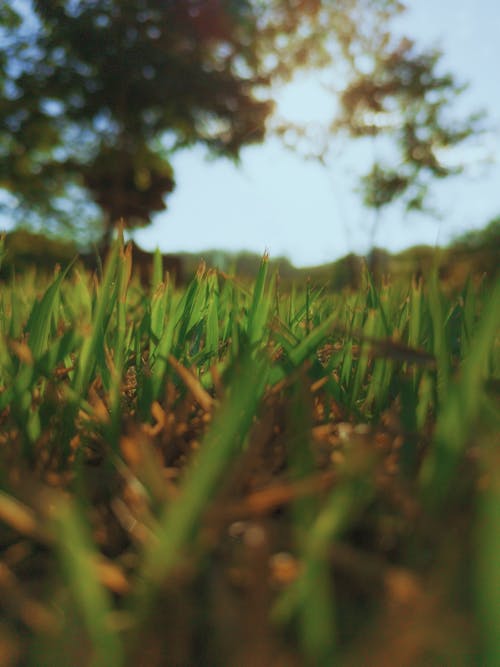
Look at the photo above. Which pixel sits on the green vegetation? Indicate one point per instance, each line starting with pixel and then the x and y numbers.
pixel 234 475
pixel 476 252
pixel 98 95
pixel 480 238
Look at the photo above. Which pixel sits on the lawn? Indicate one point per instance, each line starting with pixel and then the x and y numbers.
pixel 234 474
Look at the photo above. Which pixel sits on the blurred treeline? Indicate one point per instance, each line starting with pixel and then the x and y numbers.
pixel 474 253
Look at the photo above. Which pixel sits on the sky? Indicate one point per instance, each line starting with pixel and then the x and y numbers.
pixel 278 202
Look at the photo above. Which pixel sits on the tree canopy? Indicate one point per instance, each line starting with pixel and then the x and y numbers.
pixel 400 98
pixel 404 96
pixel 96 95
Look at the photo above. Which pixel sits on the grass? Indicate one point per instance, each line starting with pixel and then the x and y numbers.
pixel 233 475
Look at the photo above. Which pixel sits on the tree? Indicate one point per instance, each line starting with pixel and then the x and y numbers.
pixel 404 97
pixel 487 237
pixel 398 98
pixel 98 94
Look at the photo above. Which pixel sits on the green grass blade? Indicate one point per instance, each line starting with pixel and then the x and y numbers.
pixel 362 365
pixel 259 309
pixel 469 316
pixel 159 303
pixel 374 301
pixel 415 315
pixel 162 352
pixel 79 563
pixel 157 269
pixel 488 559
pixel 458 415
pixel 56 352
pixel 3 251
pixel 42 315
pixel 119 352
pixel 440 347
pixel 212 323
pixel 220 445
pixel 310 596
pixel 189 310
pixel 106 300
pixel 310 343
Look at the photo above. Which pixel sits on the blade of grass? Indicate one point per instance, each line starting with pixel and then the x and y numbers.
pixel 78 561
pixel 162 353
pixel 440 347
pixel 257 316
pixel 374 301
pixel 221 444
pixel 311 596
pixel 106 300
pixel 157 269
pixel 212 323
pixel 310 343
pixel 41 317
pixel 3 251
pixel 488 558
pixel 124 272
pixel 460 409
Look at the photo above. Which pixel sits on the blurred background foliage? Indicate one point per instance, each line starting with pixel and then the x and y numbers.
pixel 98 95
pixel 474 253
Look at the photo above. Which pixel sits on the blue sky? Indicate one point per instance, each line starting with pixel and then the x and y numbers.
pixel 276 201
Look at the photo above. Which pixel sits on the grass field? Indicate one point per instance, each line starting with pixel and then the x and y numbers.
pixel 228 474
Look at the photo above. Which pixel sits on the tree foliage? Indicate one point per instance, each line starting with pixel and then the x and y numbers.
pixel 404 96
pixel 488 236
pixel 398 98
pixel 98 94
